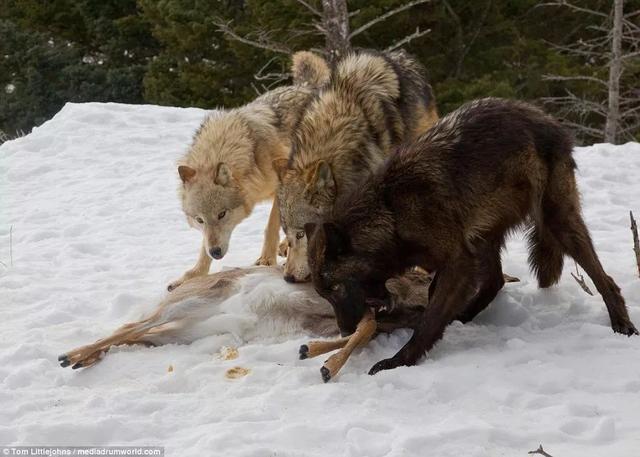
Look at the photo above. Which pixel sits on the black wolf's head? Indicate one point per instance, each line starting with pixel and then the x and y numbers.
pixel 339 274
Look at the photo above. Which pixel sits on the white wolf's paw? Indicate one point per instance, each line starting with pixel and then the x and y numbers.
pixel 283 248
pixel 266 261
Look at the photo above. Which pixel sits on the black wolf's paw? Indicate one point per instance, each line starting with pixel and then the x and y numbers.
pixel 386 364
pixel 625 327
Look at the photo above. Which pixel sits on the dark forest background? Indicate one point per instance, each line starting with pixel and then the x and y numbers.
pixel 173 52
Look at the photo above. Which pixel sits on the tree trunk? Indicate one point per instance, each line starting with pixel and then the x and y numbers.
pixel 335 20
pixel 615 69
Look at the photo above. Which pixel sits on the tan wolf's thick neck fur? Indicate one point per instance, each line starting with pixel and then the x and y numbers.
pixel 374 102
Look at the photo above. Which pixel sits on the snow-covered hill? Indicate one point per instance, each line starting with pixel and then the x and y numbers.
pixel 98 233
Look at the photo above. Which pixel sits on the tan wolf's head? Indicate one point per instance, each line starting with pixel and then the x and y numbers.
pixel 214 203
pixel 303 197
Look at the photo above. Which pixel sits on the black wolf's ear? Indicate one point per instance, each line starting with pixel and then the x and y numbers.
pixel 337 241
pixel 223 175
pixel 280 166
pixel 186 173
pixel 309 229
pixel 322 183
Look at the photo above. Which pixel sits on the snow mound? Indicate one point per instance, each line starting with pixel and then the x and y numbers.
pixel 98 233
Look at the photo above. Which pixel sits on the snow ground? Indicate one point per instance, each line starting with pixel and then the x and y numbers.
pixel 98 233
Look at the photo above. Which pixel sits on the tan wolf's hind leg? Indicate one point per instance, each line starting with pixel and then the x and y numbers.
pixel 200 269
pixel 363 334
pixel 271 237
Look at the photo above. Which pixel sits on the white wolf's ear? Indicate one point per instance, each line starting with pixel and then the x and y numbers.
pixel 223 175
pixel 186 173
pixel 280 166
pixel 322 183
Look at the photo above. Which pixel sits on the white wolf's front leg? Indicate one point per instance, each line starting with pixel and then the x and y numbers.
pixel 271 237
pixel 200 269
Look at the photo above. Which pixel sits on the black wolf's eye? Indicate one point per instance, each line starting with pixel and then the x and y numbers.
pixel 221 214
pixel 299 235
pixel 199 220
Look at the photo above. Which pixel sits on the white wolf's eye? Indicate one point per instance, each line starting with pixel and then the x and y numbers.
pixel 199 220
pixel 299 235
pixel 335 287
pixel 221 214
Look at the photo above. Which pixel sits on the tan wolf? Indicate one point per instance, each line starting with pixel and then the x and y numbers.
pixel 227 169
pixel 263 308
pixel 374 102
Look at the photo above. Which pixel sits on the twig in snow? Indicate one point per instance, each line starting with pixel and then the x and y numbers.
pixel 636 242
pixel 580 280
pixel 540 451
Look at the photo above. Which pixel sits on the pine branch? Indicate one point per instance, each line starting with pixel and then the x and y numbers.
pixel 574 78
pixel 584 129
pixel 574 7
pixel 386 16
pixel 262 42
pixel 310 7
pixel 407 39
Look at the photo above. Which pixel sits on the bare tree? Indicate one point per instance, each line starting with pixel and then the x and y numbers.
pixel 335 26
pixel 332 21
pixel 617 102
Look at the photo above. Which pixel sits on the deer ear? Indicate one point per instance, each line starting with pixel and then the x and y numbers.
pixel 186 173
pixel 322 182
pixel 337 240
pixel 223 175
pixel 309 229
pixel 393 286
pixel 280 166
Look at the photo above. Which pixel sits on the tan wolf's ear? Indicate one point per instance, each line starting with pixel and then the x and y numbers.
pixel 280 166
pixel 322 184
pixel 186 173
pixel 223 175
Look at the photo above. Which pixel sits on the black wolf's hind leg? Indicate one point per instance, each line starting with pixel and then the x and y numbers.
pixel 490 281
pixel 573 235
pixel 546 256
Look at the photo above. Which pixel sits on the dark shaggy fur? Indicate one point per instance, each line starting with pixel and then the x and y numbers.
pixel 446 203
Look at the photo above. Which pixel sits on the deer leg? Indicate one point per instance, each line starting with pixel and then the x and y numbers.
pixel 363 334
pixel 316 348
pixel 88 355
